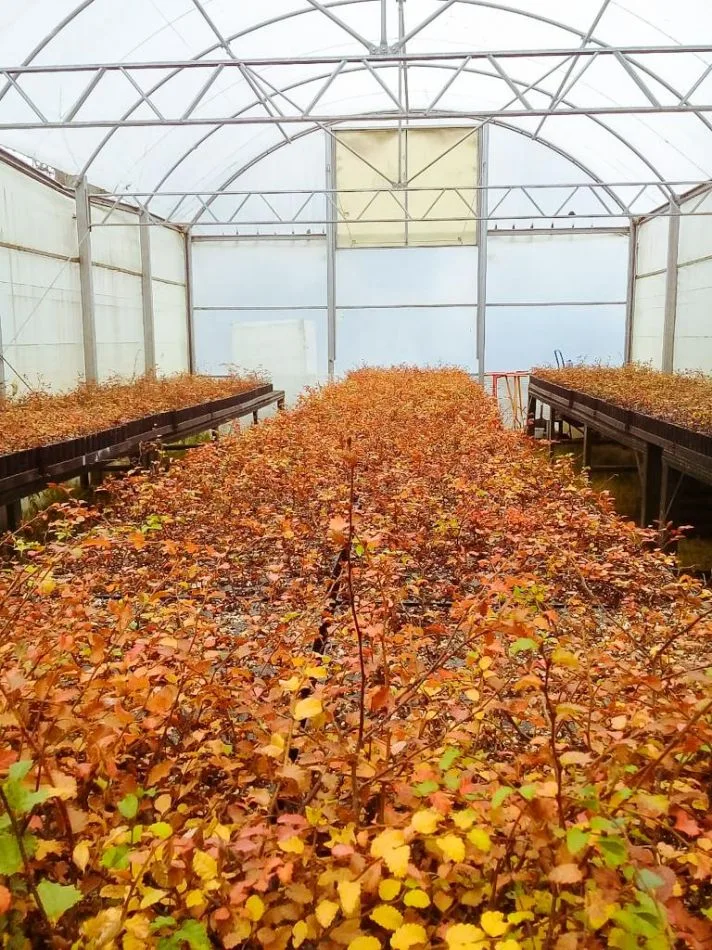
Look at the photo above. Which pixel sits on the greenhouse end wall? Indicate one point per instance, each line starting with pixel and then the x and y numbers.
pixel 41 326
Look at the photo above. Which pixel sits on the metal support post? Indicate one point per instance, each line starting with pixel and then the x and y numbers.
pixel 482 225
pixel 331 227
pixel 587 446
pixel 149 328
pixel 651 483
pixel 630 295
pixel 668 357
pixel 190 310
pixel 86 278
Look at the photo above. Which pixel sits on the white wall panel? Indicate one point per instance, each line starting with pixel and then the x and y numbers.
pixel 291 346
pixel 171 328
pixel 168 254
pixel 649 320
pixel 41 328
pixel 519 338
pixel 403 276
pixel 693 325
pixel 259 273
pixel 557 268
pixel 116 246
pixel 653 245
pixel 696 229
pixel 119 323
pixel 35 215
pixel 416 337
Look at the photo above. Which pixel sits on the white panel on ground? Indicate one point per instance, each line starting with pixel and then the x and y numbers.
pixel 519 338
pixel 259 273
pixel 119 323
pixel 118 246
pixel 693 325
pixel 41 322
pixel 170 321
pixel 290 346
pixel 413 336
pixel 649 320
pixel 377 277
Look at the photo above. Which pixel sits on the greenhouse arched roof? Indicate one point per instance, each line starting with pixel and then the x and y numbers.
pixel 160 98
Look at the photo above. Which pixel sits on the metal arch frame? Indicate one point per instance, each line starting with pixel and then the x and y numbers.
pixel 314 7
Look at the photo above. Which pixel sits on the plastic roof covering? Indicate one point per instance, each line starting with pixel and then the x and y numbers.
pixel 673 147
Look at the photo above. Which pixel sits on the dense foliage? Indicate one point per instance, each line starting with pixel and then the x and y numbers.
pixel 371 675
pixel 682 398
pixel 40 418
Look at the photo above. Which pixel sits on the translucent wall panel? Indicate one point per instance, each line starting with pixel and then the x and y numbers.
pixel 403 276
pixel 555 291
pixel 34 215
pixel 652 245
pixel 118 305
pixel 40 321
pixel 259 273
pixel 290 346
pixel 424 336
pixel 168 254
pixel 170 320
pixel 520 338
pixel 261 304
pixel 693 323
pixel 116 246
pixel 648 320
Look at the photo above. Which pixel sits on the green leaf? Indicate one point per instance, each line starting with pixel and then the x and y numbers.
pixel 58 898
pixel 128 806
pixel 576 840
pixel 426 788
pixel 614 851
pixel 19 770
pixel 116 858
pixel 161 829
pixel 10 857
pixel 449 757
pixel 522 645
pixel 501 795
pixel 648 880
pixel 192 932
pixel 528 792
pixel 20 799
pixel 160 922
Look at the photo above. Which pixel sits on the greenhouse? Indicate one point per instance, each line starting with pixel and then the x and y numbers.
pixel 355 474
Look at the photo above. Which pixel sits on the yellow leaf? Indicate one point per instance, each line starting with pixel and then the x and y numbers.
pixel 464 937
pixel 390 845
pixel 565 658
pixel 317 672
pixel 350 896
pixel 387 917
pixel 80 855
pixel 325 913
pixel 255 907
pixel 425 822
pixel 409 935
pixel 300 932
pixel 452 847
pixel 416 898
pixel 205 866
pixel 389 889
pixel 151 896
pixel 493 923
pixel 46 846
pixel 508 945
pixel 292 684
pixel 194 898
pixel 293 845
pixel 463 819
pixel 47 586
pixel 480 839
pixel 307 708
pixel 365 943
